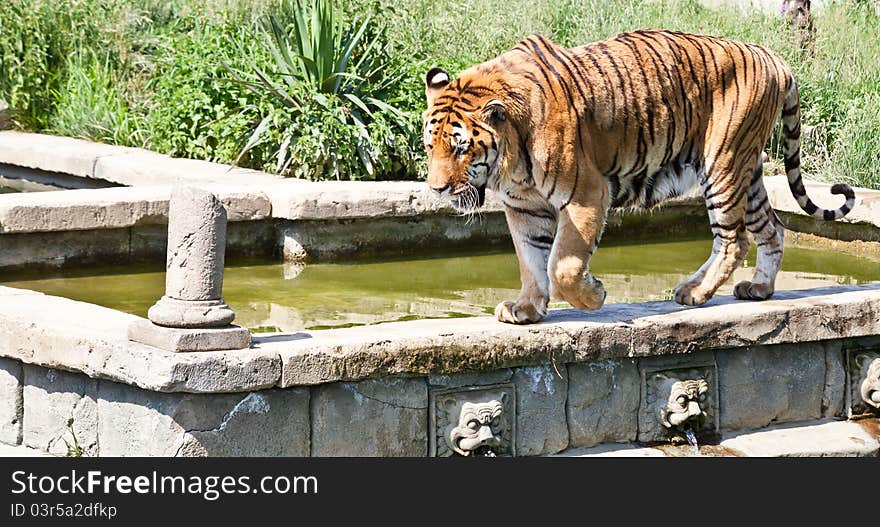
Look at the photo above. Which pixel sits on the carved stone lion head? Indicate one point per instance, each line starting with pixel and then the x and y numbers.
pixel 684 401
pixel 870 387
pixel 479 425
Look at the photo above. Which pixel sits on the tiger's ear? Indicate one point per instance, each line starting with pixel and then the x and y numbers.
pixel 495 111
pixel 436 79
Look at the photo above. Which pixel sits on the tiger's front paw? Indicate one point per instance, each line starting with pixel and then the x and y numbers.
pixel 691 294
pixel 519 312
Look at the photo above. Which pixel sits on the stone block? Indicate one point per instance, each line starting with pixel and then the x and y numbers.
pixel 267 423
pixel 767 384
pixel 825 438
pixel 461 380
pixel 376 417
pixel 60 410
pixel 603 402
pixel 196 339
pixel 57 249
pixel 541 393
pixel 54 153
pixel 834 395
pixel 11 408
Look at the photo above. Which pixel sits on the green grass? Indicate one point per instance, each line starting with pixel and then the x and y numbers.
pixel 150 73
pixel 90 104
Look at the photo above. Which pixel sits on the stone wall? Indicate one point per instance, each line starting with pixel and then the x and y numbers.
pixel 553 407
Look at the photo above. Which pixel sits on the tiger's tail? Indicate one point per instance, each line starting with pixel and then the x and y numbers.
pixel 791 128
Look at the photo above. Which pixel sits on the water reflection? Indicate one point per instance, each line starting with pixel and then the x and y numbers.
pixel 287 298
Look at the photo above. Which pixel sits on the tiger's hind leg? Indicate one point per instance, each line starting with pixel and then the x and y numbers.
pixel 726 205
pixel 768 231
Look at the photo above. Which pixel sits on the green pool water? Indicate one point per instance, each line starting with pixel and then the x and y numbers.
pixel 284 297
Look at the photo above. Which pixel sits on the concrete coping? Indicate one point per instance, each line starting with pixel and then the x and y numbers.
pixel 247 194
pixel 59 333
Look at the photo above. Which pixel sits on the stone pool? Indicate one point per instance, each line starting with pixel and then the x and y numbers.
pixel 287 297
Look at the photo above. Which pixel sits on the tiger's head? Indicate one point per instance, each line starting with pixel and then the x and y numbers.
pixel 463 137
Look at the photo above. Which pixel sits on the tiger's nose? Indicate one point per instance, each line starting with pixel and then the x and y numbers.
pixel 441 190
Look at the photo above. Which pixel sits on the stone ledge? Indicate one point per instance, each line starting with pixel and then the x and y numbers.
pixel 250 194
pixel 113 208
pixel 64 334
pixel 118 164
pixel 823 438
pixel 621 330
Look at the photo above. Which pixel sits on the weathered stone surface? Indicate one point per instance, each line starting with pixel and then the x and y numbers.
pixel 114 208
pixel 53 153
pixel 771 384
pixel 196 245
pixel 183 340
pixel 541 392
pixel 136 167
pixel 82 209
pixel 57 249
pixel 834 395
pixel 60 409
pixel 322 239
pixel 426 347
pixel 134 422
pixel 345 200
pixel 603 402
pixel 60 333
pixel 460 380
pixel 381 417
pixel 824 438
pixel 11 408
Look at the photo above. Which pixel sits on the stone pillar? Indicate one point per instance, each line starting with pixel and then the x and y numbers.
pixel 192 315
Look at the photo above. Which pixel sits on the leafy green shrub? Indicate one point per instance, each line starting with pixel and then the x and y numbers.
pixel 330 87
pixel 193 112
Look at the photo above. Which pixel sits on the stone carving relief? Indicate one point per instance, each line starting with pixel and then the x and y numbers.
pixel 869 388
pixel 477 421
pixel 677 397
pixel 683 404
pixel 864 383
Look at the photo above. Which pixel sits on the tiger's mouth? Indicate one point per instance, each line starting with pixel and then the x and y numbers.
pixel 468 197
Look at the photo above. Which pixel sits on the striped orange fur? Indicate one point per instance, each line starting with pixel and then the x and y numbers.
pixel 563 134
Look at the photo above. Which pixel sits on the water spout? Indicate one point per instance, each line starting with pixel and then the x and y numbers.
pixel 692 440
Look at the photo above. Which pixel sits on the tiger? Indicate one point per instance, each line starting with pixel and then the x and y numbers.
pixel 561 135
